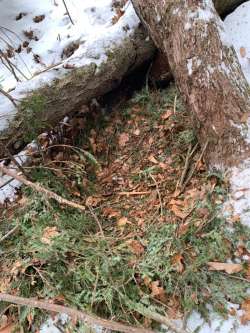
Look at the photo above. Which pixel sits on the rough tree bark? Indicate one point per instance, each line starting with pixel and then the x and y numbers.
pixel 206 69
pixel 83 84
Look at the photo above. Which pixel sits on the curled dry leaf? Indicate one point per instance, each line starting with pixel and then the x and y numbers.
pixel 226 267
pixel 110 212
pixel 243 52
pixel 119 14
pixel 176 207
pixel 48 234
pixel 136 247
pixel 92 201
pixel 152 159
pixel 157 291
pixel 122 221
pixel 123 139
pixel 178 262
pixel 167 114
pixel 245 306
pixel 137 132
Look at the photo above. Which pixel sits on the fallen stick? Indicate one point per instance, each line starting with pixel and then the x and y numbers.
pixel 40 189
pixel 80 315
pixel 9 234
pixel 134 193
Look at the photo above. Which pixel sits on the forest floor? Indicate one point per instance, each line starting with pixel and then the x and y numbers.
pixel 152 236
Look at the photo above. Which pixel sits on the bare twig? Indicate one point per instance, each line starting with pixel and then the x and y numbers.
pixel 175 103
pixel 14 160
pixel 158 192
pixel 194 168
pixel 190 153
pixel 40 189
pixel 7 182
pixel 9 66
pixel 184 172
pixel 12 66
pixel 10 98
pixel 96 219
pixel 134 193
pixel 9 233
pixel 73 313
pixel 12 43
pixel 68 12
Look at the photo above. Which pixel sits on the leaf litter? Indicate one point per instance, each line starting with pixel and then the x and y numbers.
pixel 142 240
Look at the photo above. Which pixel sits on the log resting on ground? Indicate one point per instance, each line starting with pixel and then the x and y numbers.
pixel 80 85
pixel 207 72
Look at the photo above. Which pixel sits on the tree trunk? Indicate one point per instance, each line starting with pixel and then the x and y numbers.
pixel 207 72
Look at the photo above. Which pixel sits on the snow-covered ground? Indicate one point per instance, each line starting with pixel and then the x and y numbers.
pixel 45 44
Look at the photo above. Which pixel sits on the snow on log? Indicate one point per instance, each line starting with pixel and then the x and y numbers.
pixel 92 68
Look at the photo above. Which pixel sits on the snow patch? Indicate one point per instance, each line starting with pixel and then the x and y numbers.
pixel 237 27
pixel 190 66
pixel 239 198
pixel 201 14
pixel 187 26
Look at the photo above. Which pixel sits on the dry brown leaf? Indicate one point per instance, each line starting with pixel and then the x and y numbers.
pixel 245 117
pixel 123 139
pixel 150 141
pixel 157 291
pixel 92 201
pixel 119 14
pixel 147 281
pixel 245 306
pixel 152 159
pixel 7 329
pixel 110 212
pixel 17 267
pixel 176 209
pixel 177 212
pixel 247 273
pixel 167 114
pixel 183 228
pixel 123 221
pixel 137 132
pixel 243 52
pixel 164 166
pixel 226 267
pixel 48 234
pixel 136 247
pixel 177 261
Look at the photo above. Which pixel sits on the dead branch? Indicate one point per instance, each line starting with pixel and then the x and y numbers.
pixel 41 189
pixel 9 234
pixel 96 219
pixel 65 5
pixel 90 320
pixel 9 97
